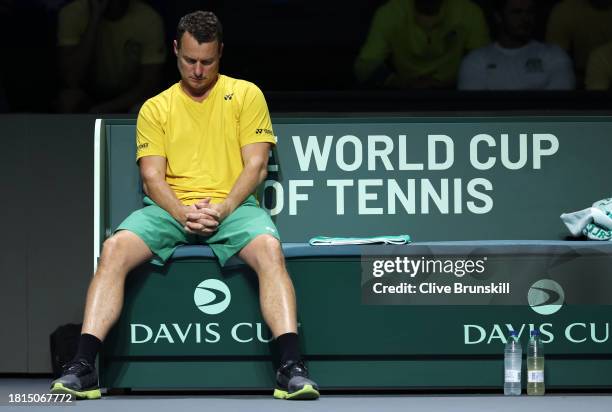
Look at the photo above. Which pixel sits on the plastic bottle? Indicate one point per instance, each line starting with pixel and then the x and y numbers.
pixel 535 365
pixel 513 357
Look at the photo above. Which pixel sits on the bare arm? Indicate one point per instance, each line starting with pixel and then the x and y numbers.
pixel 153 172
pixel 255 160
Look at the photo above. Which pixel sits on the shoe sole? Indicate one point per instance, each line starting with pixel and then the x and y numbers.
pixel 88 394
pixel 306 393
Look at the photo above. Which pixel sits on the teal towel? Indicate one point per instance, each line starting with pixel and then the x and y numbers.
pixel 375 240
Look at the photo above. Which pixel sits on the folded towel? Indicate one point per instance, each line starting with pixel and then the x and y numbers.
pixel 377 240
pixel 594 222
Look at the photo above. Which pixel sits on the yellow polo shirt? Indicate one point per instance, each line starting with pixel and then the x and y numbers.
pixel 419 46
pixel 202 141
pixel 579 28
pixel 599 69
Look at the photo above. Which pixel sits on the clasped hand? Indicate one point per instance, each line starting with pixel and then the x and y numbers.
pixel 203 218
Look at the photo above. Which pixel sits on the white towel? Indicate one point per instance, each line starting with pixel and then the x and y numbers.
pixel 594 222
pixel 334 241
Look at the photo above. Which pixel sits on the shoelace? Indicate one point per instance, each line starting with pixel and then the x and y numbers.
pixel 296 369
pixel 74 366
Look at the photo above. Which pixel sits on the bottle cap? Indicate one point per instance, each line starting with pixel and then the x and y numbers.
pixel 513 333
pixel 535 332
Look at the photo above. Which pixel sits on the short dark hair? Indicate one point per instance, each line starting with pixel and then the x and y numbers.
pixel 204 26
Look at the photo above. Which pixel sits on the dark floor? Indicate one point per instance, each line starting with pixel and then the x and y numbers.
pixel 332 402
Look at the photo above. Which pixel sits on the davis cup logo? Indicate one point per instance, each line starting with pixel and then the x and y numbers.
pixel 546 297
pixel 212 296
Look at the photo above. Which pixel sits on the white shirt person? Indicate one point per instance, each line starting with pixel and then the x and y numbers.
pixel 534 66
pixel 515 61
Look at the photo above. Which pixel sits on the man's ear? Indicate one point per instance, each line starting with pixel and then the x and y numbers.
pixel 220 50
pixel 176 48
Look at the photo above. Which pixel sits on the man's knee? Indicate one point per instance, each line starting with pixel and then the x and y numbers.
pixel 112 251
pixel 271 246
pixel 116 250
pixel 269 252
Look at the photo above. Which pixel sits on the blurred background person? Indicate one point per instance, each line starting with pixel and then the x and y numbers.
pixel 515 61
pixel 419 43
pixel 580 26
pixel 111 55
pixel 599 68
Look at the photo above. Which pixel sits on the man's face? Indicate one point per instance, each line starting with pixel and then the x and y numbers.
pixel 198 64
pixel 518 19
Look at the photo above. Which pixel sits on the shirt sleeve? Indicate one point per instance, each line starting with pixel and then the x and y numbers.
pixel 598 72
pixel 254 121
pixel 154 46
pixel 72 23
pixel 149 132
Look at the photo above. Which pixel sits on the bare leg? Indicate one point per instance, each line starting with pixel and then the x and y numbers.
pixel 276 293
pixel 120 254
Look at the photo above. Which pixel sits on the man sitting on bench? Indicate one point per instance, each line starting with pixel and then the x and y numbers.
pixel 202 148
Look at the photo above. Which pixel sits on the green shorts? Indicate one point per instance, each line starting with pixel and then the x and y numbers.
pixel 162 233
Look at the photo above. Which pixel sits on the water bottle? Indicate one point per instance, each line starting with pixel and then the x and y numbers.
pixel 513 357
pixel 535 365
